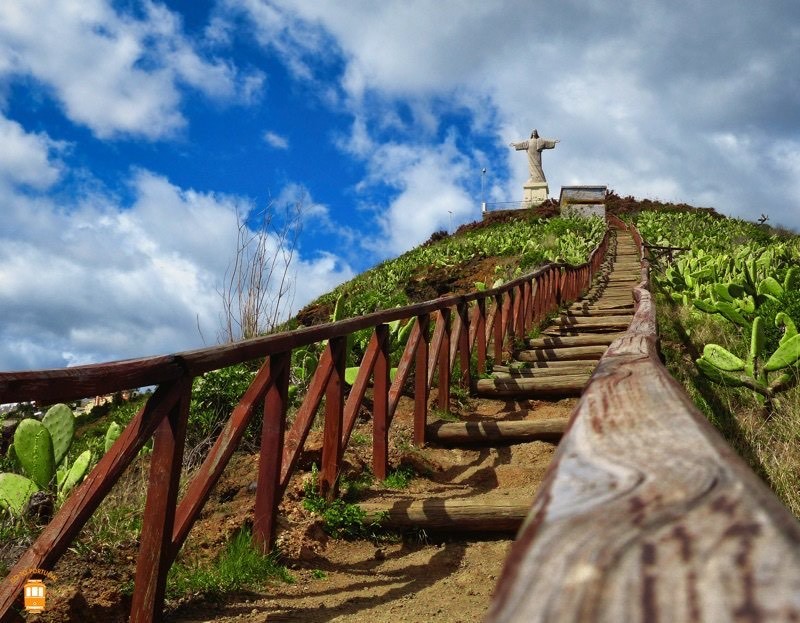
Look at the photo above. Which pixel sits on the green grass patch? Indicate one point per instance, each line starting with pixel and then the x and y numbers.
pixel 340 519
pixel 400 478
pixel 444 415
pixel 240 566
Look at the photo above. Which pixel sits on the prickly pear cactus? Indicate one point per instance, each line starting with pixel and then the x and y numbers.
pixel 60 423
pixel 721 358
pixel 34 450
pixel 112 434
pixel 76 472
pixel 788 354
pixel 15 490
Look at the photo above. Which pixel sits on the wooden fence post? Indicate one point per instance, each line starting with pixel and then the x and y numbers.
pixel 444 361
pixel 334 411
pixel 155 548
pixel 519 311
pixel 498 329
pixel 421 384
pixel 480 332
pixel 464 358
pixel 273 430
pixel 380 401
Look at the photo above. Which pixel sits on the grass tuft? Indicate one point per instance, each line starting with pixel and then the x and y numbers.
pixel 400 478
pixel 240 565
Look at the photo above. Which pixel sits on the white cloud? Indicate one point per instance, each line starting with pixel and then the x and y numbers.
pixel 26 158
pixel 92 282
pixel 276 140
pixel 112 72
pixel 633 90
pixel 429 184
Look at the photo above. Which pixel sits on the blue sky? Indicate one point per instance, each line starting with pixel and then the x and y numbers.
pixel 132 132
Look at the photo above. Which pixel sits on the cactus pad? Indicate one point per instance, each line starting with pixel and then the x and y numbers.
pixel 77 471
pixel 788 354
pixel 34 451
pixel 757 338
pixel 112 434
pixel 60 423
pixel 15 491
pixel 721 358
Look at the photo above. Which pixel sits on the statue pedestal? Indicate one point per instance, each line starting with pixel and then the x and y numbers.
pixel 535 192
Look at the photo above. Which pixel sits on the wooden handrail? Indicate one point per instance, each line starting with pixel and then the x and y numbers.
pixel 168 520
pixel 646 514
pixel 64 384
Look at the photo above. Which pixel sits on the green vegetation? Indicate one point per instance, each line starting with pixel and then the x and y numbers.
pixel 533 241
pixel 41 451
pixel 728 309
pixel 340 519
pixel 239 566
pixel 400 478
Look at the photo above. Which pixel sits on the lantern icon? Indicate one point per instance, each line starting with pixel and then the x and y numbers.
pixel 35 595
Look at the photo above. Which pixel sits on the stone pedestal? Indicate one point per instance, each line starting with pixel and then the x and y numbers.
pixel 535 192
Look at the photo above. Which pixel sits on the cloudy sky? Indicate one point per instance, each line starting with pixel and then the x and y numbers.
pixel 132 132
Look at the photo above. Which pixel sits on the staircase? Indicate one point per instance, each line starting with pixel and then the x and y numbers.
pixel 545 373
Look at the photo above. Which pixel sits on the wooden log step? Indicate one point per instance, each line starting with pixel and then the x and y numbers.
pixel 604 303
pixel 572 312
pixel 537 373
pixel 614 289
pixel 560 354
pixel 568 385
pixel 575 331
pixel 504 430
pixel 544 365
pixel 594 321
pixel 600 303
pixel 557 341
pixel 482 513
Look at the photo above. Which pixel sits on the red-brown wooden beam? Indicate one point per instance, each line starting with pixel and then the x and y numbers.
pixel 210 471
pixel 508 314
pixel 334 411
pixel 296 437
pixel 526 307
pixel 273 429
pixel 532 306
pixel 155 541
pixel 480 331
pixel 421 383
pixel 464 346
pixel 435 346
pixel 519 312
pixel 380 404
pixel 455 332
pixel 444 360
pixel 499 334
pixel 356 396
pixel 491 312
pixel 84 500
pixel 403 370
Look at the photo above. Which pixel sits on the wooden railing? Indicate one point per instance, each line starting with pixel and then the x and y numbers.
pixel 464 325
pixel 646 514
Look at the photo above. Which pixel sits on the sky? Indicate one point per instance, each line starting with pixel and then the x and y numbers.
pixel 133 133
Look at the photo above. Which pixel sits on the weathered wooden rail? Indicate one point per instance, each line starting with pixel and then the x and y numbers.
pixel 462 326
pixel 646 514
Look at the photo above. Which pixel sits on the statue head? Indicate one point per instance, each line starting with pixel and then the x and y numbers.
pixel 534 134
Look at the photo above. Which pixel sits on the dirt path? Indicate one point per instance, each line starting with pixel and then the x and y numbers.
pixel 417 578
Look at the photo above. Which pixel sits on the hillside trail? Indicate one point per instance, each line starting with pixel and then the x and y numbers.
pixel 478 477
